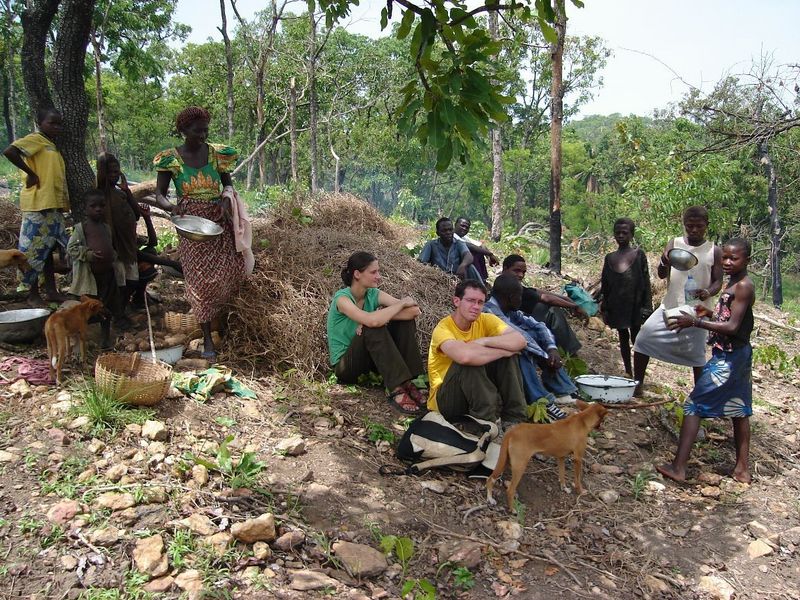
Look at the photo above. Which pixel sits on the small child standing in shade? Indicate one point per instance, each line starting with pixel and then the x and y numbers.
pixel 95 269
pixel 724 389
pixel 625 289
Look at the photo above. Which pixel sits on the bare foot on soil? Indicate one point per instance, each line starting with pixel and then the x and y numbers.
pixel 56 297
pixel 36 301
pixel 742 476
pixel 639 391
pixel 670 473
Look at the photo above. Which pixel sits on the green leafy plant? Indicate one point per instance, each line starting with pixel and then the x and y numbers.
pixel 403 549
pixel 106 413
pixel 370 380
pixel 180 546
pixel 574 365
pixel 377 432
pixel 639 483
pixel 463 578
pixel 537 412
pixel 237 474
pixel 167 239
pixel 519 510
pixel 28 524
pixel 55 535
pixel 776 359
pixel 225 421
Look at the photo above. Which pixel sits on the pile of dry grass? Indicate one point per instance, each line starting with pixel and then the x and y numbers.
pixel 10 221
pixel 279 315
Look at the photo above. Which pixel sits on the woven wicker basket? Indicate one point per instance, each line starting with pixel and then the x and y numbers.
pixel 176 322
pixel 132 379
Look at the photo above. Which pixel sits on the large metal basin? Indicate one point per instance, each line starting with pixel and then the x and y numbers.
pixel 197 229
pixel 23 325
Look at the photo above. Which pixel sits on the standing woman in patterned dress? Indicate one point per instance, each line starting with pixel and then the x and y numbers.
pixel 201 173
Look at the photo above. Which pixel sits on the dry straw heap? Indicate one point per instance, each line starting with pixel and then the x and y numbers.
pixel 279 314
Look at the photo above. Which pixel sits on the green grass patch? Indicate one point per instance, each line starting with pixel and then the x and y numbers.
pixel 106 414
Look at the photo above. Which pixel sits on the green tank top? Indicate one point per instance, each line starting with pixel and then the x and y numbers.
pixel 342 328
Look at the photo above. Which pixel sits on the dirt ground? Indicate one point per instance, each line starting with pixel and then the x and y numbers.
pixel 630 535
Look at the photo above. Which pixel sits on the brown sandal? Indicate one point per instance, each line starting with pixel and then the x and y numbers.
pixel 416 395
pixel 402 402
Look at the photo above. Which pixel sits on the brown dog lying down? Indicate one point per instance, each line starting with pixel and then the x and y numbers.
pixel 64 325
pixel 568 436
pixel 14 258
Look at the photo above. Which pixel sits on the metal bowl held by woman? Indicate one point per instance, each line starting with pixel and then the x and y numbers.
pixel 606 388
pixel 22 326
pixel 197 229
pixel 681 259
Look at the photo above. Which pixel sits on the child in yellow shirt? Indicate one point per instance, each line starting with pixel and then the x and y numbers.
pixel 42 202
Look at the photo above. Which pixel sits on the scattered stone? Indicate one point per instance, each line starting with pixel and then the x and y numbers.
pixel 134 429
pixel 655 487
pixel 63 512
pixel 106 536
pixel 61 408
pixel 757 530
pixel 758 549
pixel 22 388
pixel 251 574
pixel 316 491
pixel 763 568
pixel 154 495
pixel 79 422
pixel 149 557
pixel 96 446
pixel 716 587
pixel 510 530
pixel 154 448
pixel 174 393
pixel 160 585
pixel 305 580
pixel 200 475
pixel 220 542
pixel 656 585
pixel 59 437
pixel 360 560
pixel 710 491
pixel 115 501
pixel 86 475
pixel 462 553
pixel 607 469
pixel 293 446
pixel 197 523
pixel 437 487
pixel 63 396
pixel 261 551
pixel 679 532
pixel 154 430
pixel 791 536
pixel 8 457
pixel 250 409
pixel 261 529
pixel 68 562
pixel 608 496
pixel 290 540
pixel 116 472
pixel 709 478
pixel 190 581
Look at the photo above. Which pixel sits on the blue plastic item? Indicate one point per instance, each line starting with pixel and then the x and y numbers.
pixel 582 298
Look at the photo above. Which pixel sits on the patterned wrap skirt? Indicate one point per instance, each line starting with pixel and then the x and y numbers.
pixel 212 269
pixel 725 388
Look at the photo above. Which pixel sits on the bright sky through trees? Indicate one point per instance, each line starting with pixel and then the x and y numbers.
pixel 701 40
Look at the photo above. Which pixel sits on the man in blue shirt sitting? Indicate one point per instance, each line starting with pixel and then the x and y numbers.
pixel 541 350
pixel 450 255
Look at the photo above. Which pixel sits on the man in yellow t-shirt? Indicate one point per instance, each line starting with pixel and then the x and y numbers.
pixel 43 201
pixel 472 366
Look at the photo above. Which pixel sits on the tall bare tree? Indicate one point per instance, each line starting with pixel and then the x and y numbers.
pixel 556 122
pixel 497 158
pixel 229 104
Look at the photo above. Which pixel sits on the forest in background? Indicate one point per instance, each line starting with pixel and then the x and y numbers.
pixel 330 110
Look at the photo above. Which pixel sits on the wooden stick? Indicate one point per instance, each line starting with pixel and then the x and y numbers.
pixel 766 319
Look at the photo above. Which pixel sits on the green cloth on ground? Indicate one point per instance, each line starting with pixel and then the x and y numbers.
pixel 201 385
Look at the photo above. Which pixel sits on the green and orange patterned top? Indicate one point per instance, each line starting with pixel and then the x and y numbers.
pixel 198 184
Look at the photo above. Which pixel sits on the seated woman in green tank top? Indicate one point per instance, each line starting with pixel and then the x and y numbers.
pixel 370 330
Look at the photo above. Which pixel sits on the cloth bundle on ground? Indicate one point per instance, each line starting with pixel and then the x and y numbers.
pixel 582 298
pixel 431 441
pixel 33 370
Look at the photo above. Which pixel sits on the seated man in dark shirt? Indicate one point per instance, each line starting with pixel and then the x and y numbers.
pixel 479 252
pixel 545 307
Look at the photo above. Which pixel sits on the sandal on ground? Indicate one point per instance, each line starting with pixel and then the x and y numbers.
pixel 403 403
pixel 416 395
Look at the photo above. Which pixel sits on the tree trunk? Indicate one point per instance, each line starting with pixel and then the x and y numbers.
pixel 293 127
pixel 36 21
pixel 497 159
pixel 9 85
pixel 229 70
pixel 69 57
pixel 98 93
pixel 556 121
pixel 775 232
pixel 519 202
pixel 262 165
pixel 312 102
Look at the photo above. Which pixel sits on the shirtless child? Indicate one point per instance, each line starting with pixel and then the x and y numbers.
pixel 95 267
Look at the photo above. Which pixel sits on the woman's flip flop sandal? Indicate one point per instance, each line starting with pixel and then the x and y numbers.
pixel 403 403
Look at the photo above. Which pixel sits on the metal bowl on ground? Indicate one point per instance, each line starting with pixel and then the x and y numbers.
pixel 23 325
pixel 170 355
pixel 197 229
pixel 606 388
pixel 681 259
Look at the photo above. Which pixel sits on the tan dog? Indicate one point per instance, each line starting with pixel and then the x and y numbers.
pixel 64 325
pixel 14 258
pixel 568 436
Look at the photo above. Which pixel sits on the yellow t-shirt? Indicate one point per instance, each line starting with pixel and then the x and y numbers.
pixel 44 159
pixel 485 325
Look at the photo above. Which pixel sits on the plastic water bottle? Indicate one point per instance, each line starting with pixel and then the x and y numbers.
pixel 690 291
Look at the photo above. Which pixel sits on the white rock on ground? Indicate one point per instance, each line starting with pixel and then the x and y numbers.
pixel 115 500
pixel 149 557
pixel 200 475
pixel 304 581
pixel 261 529
pixel 154 430
pixel 198 523
pixel 716 587
pixel 758 549
pixel 190 581
pixel 293 446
